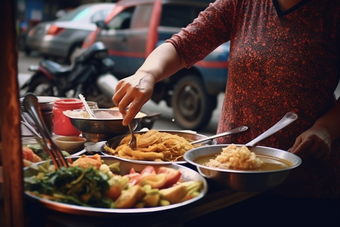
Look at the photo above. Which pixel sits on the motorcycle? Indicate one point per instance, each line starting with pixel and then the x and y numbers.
pixel 89 74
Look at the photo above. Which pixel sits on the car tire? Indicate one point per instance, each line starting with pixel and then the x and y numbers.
pixel 192 105
pixel 41 86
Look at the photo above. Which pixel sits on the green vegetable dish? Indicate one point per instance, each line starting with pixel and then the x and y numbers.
pixel 90 182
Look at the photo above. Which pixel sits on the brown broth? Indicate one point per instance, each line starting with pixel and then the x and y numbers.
pixel 270 162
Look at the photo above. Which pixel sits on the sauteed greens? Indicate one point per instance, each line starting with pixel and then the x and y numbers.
pixel 73 185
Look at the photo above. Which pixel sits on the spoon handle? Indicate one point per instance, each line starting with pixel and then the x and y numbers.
pixel 286 120
pixel 232 131
pixel 31 104
pixel 89 111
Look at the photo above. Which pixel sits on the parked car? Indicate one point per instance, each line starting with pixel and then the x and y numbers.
pixel 63 37
pixel 134 28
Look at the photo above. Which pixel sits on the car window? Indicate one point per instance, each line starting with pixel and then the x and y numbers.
pixel 122 20
pixel 100 15
pixel 178 15
pixel 142 16
pixel 76 14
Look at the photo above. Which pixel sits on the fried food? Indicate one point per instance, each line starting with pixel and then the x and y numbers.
pixel 235 157
pixel 153 146
pixel 29 156
pixel 88 161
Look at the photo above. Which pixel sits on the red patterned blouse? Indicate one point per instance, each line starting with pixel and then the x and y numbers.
pixel 279 62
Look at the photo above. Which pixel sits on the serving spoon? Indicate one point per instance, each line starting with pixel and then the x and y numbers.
pixel 286 120
pixel 87 108
pixel 133 140
pixel 232 131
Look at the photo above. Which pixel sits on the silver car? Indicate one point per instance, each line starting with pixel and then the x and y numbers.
pixel 63 37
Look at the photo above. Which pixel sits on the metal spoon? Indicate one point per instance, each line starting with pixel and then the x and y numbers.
pixel 286 120
pixel 87 108
pixel 133 140
pixel 232 131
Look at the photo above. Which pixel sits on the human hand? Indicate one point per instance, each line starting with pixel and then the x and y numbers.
pixel 315 143
pixel 132 93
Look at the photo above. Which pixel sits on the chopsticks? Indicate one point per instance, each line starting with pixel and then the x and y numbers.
pixel 30 103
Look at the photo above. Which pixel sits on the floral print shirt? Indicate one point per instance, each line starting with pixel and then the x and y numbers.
pixel 278 62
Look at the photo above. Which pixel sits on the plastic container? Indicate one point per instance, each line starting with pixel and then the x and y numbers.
pixel 61 123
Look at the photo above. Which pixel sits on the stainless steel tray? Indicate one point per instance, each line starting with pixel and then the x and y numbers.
pixel 187 175
pixel 114 142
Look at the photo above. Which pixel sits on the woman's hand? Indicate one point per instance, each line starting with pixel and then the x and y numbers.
pixel 315 143
pixel 133 92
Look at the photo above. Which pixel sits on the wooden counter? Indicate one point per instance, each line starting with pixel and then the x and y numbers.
pixel 215 200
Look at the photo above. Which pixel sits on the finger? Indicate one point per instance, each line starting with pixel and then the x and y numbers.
pixel 125 100
pixel 118 95
pixel 316 150
pixel 302 146
pixel 132 111
pixel 295 145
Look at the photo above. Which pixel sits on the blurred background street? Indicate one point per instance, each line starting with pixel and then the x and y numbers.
pixel 166 120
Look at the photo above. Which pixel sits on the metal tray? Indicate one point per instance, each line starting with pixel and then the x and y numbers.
pixel 114 142
pixel 187 175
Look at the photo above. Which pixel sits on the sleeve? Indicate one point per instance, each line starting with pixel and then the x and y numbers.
pixel 210 29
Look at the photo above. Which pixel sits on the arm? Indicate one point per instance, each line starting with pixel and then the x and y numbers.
pixel 316 142
pixel 136 90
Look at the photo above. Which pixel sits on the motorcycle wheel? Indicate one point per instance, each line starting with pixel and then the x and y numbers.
pixel 41 86
pixel 192 105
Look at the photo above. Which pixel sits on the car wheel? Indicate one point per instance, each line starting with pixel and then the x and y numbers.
pixel 191 104
pixel 41 86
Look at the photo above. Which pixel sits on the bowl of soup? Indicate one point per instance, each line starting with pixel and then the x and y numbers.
pixel 258 169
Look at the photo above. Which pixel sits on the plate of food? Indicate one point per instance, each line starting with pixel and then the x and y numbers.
pixel 101 185
pixel 156 147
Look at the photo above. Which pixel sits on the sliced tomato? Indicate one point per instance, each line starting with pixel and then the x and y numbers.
pixel 155 181
pixel 173 175
pixel 148 170
pixel 132 170
pixel 135 177
pixel 114 192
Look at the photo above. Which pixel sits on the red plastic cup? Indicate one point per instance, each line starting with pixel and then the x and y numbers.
pixel 62 124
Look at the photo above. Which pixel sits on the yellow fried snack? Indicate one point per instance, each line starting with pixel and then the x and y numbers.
pixel 153 146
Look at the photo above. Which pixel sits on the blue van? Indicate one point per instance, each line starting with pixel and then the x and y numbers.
pixel 134 28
